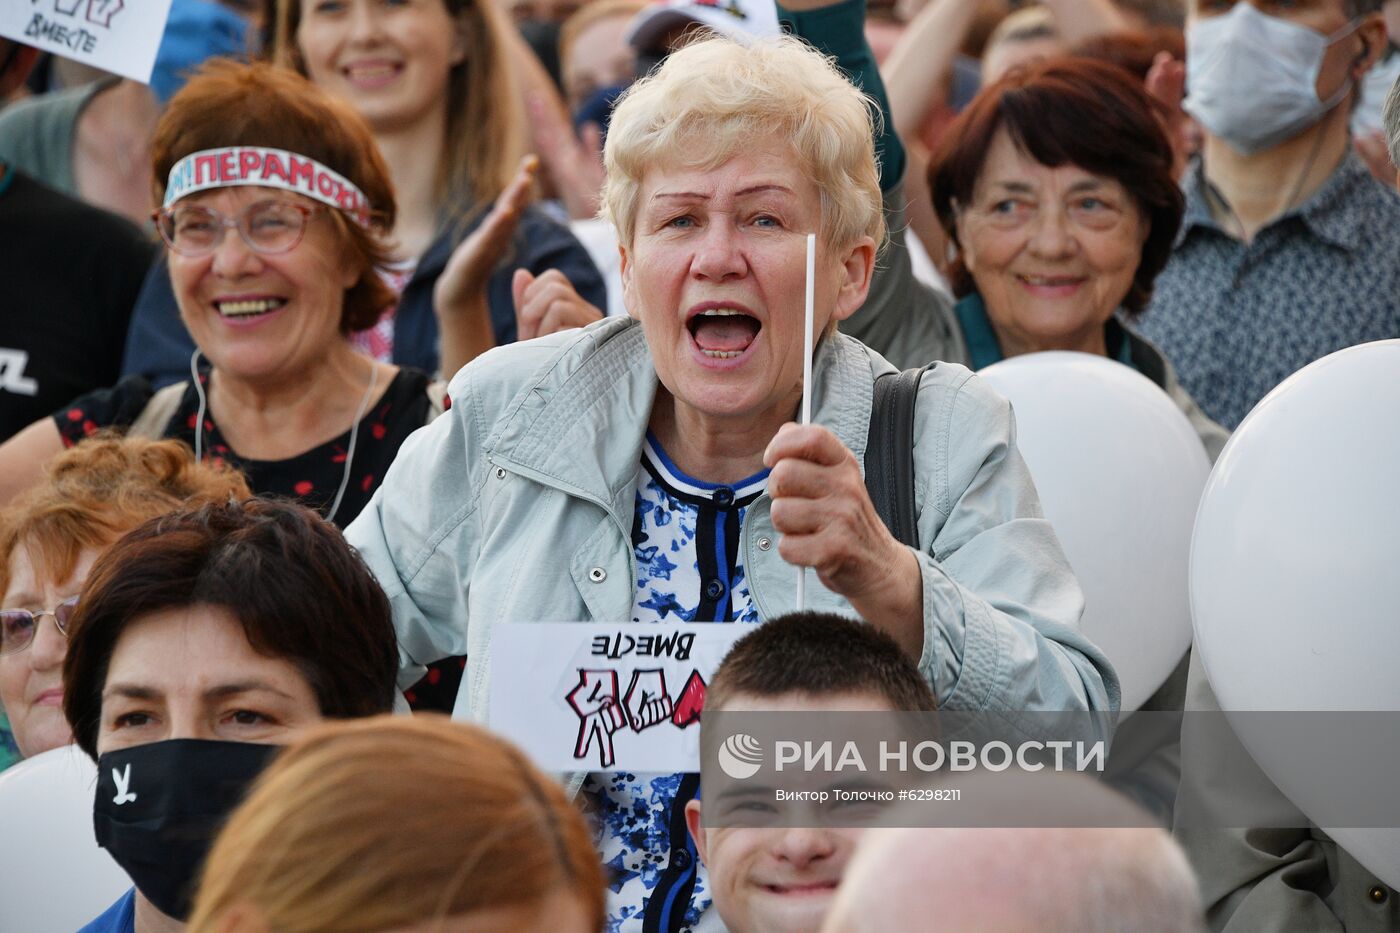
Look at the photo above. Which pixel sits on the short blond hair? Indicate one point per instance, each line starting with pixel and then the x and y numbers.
pixel 365 825
pixel 711 99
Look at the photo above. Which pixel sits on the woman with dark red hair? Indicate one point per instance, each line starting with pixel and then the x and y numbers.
pixel 1056 188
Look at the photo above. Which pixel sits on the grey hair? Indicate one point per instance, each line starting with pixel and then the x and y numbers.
pixel 1390 120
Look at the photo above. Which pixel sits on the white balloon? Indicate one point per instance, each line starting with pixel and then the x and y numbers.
pixel 1295 573
pixel 1377 849
pixel 55 877
pixel 1119 470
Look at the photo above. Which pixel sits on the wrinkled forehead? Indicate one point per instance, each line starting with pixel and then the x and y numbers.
pixel 1010 165
pixel 40 561
pixel 712 145
pixel 726 171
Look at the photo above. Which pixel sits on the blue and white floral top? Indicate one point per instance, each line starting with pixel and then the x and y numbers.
pixel 685 533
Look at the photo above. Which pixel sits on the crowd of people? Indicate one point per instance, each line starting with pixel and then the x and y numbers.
pixel 370 325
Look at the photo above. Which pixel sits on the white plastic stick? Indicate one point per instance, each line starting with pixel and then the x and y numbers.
pixel 807 380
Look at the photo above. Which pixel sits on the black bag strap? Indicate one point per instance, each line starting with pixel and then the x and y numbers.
pixel 889 453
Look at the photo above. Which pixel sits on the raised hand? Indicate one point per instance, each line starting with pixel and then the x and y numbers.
pixel 575 168
pixel 459 296
pixel 827 522
pixel 547 303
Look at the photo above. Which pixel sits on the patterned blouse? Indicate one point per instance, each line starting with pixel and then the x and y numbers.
pixel 685 534
pixel 313 477
pixel 1236 318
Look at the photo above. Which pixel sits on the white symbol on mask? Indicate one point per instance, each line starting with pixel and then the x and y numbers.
pixel 123 781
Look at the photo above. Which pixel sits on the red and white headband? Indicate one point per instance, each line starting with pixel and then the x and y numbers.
pixel 271 168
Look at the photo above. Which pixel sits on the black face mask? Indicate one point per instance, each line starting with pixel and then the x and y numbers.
pixel 159 807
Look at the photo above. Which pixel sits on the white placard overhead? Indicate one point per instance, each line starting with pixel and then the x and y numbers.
pixel 588 697
pixel 120 36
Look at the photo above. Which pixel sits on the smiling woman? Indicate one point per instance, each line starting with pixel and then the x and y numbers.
pixel 1061 233
pixel 646 469
pixel 274 218
pixel 432 80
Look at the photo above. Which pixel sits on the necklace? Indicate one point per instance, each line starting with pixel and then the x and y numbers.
pixel 354 427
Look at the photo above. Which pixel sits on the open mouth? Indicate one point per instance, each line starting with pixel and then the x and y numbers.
pixel 371 73
pixel 244 309
pixel 723 333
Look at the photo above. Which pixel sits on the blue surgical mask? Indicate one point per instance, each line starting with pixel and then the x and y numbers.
pixel 1252 78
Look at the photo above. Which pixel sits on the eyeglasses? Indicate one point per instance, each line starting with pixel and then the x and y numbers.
pixel 268 227
pixel 17 626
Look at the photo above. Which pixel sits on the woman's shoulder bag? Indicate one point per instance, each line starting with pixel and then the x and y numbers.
pixel 889 453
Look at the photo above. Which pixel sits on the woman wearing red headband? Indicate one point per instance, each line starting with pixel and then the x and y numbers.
pixel 274 217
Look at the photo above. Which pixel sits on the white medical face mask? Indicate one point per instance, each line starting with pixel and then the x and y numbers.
pixel 1252 77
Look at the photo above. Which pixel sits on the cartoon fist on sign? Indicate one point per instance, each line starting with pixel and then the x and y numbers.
pixel 647 703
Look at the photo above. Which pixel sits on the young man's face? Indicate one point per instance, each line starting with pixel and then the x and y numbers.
pixel 778 879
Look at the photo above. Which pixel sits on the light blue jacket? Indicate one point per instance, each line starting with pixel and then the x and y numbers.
pixel 517 504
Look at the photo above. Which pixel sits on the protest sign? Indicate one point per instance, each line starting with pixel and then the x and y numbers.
pixel 627 697
pixel 120 36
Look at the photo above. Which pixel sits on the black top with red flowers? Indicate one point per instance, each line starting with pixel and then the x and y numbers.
pixel 313 477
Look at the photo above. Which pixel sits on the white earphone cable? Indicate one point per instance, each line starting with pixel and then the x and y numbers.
pixel 354 427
